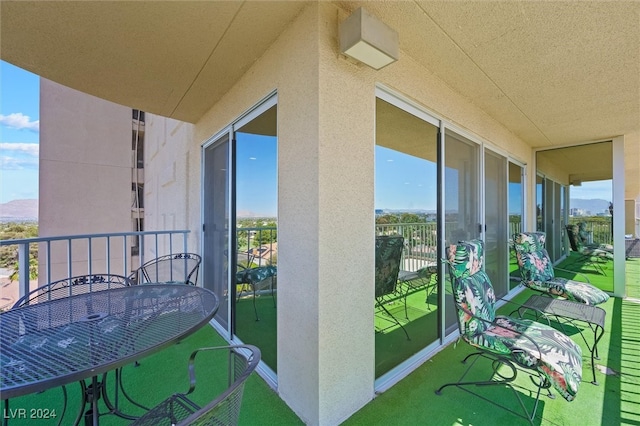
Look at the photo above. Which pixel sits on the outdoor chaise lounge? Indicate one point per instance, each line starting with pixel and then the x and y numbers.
pixel 550 357
pixel 590 254
pixel 537 271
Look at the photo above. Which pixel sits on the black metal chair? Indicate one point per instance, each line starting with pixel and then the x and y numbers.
pixel 69 287
pixel 253 277
pixel 74 285
pixel 222 410
pixel 177 268
pixel 546 354
pixel 388 256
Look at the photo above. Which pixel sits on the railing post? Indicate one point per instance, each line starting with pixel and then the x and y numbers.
pixel 23 269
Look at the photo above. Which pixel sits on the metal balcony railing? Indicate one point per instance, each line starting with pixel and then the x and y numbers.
pixel 421 239
pixel 70 255
pixel 600 231
pixel 257 246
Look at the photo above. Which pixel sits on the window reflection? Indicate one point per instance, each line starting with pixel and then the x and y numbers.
pixel 256 237
pixel 405 203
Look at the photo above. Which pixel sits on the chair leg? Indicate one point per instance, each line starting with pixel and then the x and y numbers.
pixel 381 304
pixel 497 361
pixel 253 287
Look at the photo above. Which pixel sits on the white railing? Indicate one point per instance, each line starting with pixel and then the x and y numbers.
pixel 70 255
pixel 420 243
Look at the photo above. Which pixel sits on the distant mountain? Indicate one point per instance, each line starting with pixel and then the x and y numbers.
pixel 594 206
pixel 19 210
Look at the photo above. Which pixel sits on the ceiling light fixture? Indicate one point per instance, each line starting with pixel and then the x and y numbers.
pixel 366 39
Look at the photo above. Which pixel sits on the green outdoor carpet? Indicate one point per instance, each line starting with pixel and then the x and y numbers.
pixel 412 401
pixel 160 375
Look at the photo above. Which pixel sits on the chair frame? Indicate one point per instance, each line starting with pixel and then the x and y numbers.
pixel 56 288
pixel 389 277
pixel 248 354
pixel 145 272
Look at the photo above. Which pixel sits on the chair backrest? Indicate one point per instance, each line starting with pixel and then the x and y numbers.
pixel 178 268
pixel 583 234
pixel 574 239
pixel 225 409
pixel 473 293
pixel 388 256
pixel 74 285
pixel 534 261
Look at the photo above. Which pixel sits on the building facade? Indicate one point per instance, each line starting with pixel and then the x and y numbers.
pixel 473 128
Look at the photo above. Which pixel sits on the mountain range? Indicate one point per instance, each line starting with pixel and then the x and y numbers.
pixel 19 211
pixel 27 210
pixel 595 205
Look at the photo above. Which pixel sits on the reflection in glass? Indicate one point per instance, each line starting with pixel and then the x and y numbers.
pixel 496 244
pixel 461 204
pixel 516 214
pixel 406 203
pixel 256 238
pixel 216 219
pixel 539 203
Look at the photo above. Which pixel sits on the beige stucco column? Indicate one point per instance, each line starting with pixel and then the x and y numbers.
pixel 326 245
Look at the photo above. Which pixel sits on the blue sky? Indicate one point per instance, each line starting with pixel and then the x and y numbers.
pixel 19 133
pixel 601 189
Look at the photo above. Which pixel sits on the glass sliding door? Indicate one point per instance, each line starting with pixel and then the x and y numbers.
pixel 255 231
pixel 240 239
pixel 539 203
pixel 406 205
pixel 461 202
pixel 516 217
pixel 496 222
pixel 215 227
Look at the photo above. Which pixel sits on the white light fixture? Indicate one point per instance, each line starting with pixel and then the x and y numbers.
pixel 366 39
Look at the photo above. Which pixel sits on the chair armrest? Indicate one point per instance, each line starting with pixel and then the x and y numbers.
pixel 586 279
pixel 192 358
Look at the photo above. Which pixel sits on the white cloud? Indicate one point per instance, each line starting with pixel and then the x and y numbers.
pixel 19 156
pixel 19 121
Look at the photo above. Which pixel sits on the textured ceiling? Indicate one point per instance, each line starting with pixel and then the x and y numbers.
pixel 172 58
pixel 554 73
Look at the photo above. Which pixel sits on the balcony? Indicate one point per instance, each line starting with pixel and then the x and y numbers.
pixel 411 401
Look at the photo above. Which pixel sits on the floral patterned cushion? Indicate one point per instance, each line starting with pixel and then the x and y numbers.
pixel 472 290
pixel 574 290
pixel 536 267
pixel 554 354
pixel 465 258
pixel 255 275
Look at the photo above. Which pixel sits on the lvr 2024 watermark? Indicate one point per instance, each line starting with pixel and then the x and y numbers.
pixel 29 413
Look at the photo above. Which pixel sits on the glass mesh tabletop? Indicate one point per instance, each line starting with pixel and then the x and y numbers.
pixel 52 343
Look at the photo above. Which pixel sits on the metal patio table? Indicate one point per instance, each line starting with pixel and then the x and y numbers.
pixel 53 343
